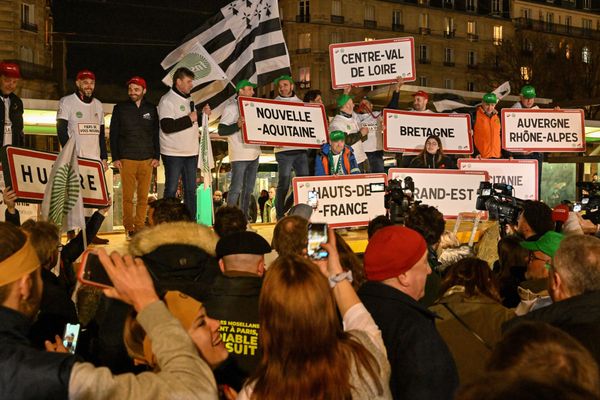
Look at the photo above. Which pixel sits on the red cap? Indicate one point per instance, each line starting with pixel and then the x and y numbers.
pixel 392 251
pixel 85 74
pixel 421 93
pixel 560 213
pixel 10 70
pixel 137 80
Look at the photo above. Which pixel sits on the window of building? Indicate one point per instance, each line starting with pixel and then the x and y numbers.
pixel 397 17
pixel 471 27
pixel 550 22
pixel 370 13
pixel 527 45
pixel 586 24
pixel 526 13
pixel 568 23
pixel 471 5
pixel 496 7
pixel 369 39
pixel 423 2
pixel 448 26
pixel 587 4
pixel 336 7
pixel 336 37
pixel 304 76
pixel 448 55
pixel 304 8
pixel 526 73
pixel 471 86
pixel 586 55
pixel 304 41
pixel 497 36
pixel 27 14
pixel 448 3
pixel 568 52
pixel 423 81
pixel 423 53
pixel 26 54
pixel 472 58
pixel 424 20
pixel 448 83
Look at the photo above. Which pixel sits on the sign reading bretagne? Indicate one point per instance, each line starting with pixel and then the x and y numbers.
pixel 543 130
pixel 408 130
pixel 375 62
pixel 27 172
pixel 450 191
pixel 521 174
pixel 280 123
pixel 345 200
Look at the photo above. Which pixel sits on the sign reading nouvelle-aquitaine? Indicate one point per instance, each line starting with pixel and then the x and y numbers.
pixel 407 131
pixel 543 130
pixel 375 62
pixel 280 123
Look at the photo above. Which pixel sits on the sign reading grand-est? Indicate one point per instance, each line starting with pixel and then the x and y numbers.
pixel 280 123
pixel 543 130
pixel 408 131
pixel 450 191
pixel 346 200
pixel 521 174
pixel 27 172
pixel 375 62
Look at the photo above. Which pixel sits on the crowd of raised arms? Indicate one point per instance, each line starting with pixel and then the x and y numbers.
pixel 188 311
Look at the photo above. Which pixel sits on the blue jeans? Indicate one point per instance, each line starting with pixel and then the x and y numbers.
pixel 375 161
pixel 243 179
pixel 186 168
pixel 286 160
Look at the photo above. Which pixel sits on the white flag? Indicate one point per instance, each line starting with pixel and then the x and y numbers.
pixel 502 90
pixel 206 162
pixel 204 67
pixel 63 204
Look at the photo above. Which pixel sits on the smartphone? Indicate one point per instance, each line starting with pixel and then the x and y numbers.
pixel 317 235
pixel 313 199
pixel 70 337
pixel 92 272
pixel 377 187
pixel 577 207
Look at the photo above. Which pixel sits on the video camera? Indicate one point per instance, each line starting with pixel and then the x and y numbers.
pixel 399 197
pixel 590 203
pixel 498 200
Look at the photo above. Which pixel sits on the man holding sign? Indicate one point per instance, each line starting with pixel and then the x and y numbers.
pixel 347 121
pixel 243 157
pixel 336 158
pixel 486 132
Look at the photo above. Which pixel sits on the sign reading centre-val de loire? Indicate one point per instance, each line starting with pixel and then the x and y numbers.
pixel 543 130
pixel 376 62
pixel 408 131
pixel 27 172
pixel 450 191
pixel 280 123
pixel 345 200
pixel 522 175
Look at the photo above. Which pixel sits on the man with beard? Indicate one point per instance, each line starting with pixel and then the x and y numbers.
pixel 11 106
pixel 81 118
pixel 135 151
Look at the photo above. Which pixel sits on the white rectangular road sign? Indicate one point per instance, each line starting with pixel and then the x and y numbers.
pixel 376 62
pixel 450 191
pixel 26 210
pixel 408 130
pixel 345 200
pixel 521 174
pixel 543 130
pixel 280 123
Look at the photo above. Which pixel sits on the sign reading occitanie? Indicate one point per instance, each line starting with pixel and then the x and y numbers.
pixel 543 130
pixel 345 200
pixel 450 191
pixel 522 175
pixel 375 62
pixel 406 131
pixel 280 123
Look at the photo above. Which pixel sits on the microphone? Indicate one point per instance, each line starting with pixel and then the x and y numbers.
pixel 560 214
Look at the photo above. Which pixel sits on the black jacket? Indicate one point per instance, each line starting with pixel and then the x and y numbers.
pixel 422 365
pixel 431 162
pixel 27 373
pixel 16 117
pixel 134 131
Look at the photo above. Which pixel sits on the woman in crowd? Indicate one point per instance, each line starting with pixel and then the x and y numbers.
pixel 306 355
pixel 471 315
pixel 432 155
pixel 512 264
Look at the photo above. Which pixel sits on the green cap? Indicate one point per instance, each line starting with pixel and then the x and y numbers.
pixel 490 98
pixel 283 78
pixel 243 83
pixel 343 99
pixel 336 136
pixel 528 92
pixel 548 243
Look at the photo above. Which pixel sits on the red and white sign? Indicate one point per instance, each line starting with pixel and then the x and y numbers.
pixel 346 200
pixel 521 174
pixel 27 172
pixel 376 62
pixel 26 210
pixel 280 123
pixel 543 130
pixel 407 131
pixel 450 191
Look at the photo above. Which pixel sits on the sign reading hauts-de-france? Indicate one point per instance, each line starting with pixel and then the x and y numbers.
pixel 375 62
pixel 407 131
pixel 345 200
pixel 543 130
pixel 522 175
pixel 27 172
pixel 280 123
pixel 450 191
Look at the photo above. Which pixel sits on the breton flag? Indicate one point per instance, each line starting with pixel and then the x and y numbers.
pixel 246 42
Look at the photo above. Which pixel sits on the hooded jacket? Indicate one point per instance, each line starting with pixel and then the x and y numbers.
pixel 349 165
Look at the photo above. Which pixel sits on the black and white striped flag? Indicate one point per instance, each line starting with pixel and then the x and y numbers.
pixel 245 40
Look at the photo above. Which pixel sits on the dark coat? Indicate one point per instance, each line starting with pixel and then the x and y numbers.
pixel 27 373
pixel 422 366
pixel 430 161
pixel 134 133
pixel 16 118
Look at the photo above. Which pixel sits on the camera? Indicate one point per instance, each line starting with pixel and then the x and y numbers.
pixel 498 200
pixel 399 197
pixel 590 200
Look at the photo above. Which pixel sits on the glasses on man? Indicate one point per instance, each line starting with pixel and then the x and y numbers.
pixel 547 263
